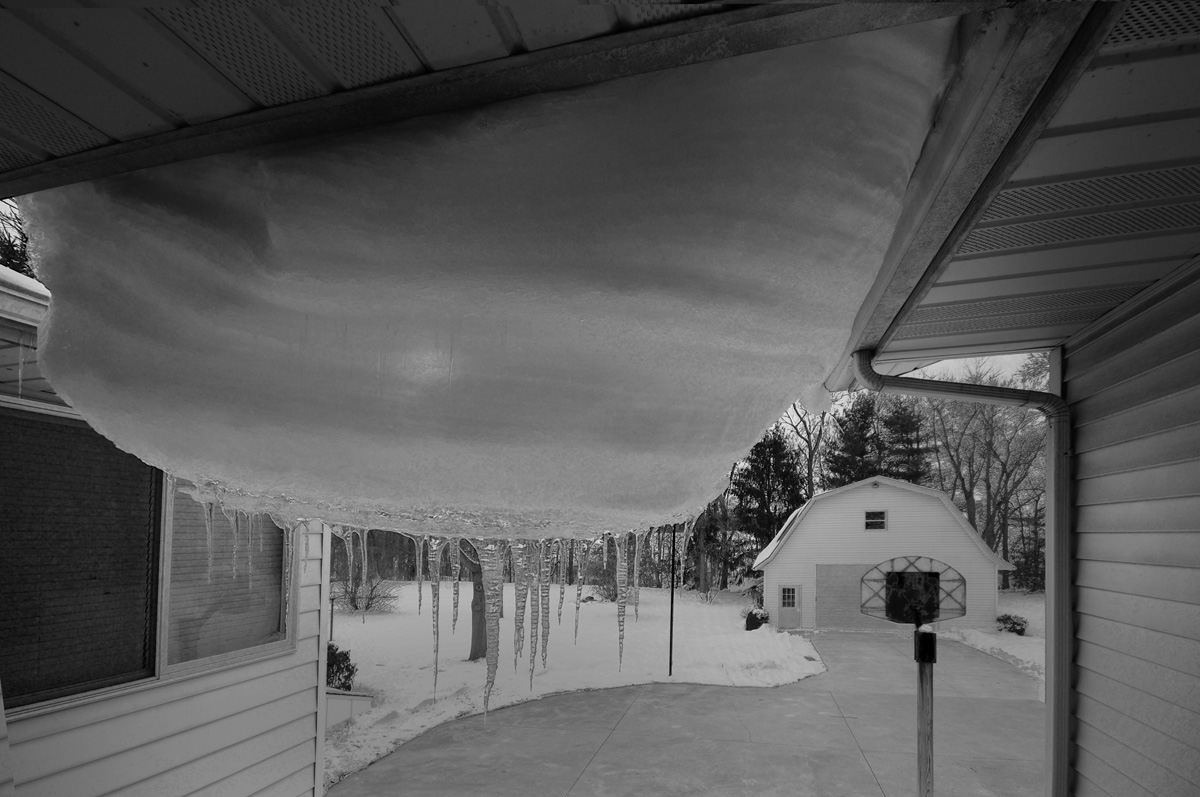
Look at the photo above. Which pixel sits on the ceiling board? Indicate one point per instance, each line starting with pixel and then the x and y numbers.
pixel 1106 199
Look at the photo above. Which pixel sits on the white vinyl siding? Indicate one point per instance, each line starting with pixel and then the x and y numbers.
pixel 831 533
pixel 1134 389
pixel 244 729
pixel 6 776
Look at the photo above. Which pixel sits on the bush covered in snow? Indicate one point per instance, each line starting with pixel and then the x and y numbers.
pixel 1012 622
pixel 339 672
pixel 755 616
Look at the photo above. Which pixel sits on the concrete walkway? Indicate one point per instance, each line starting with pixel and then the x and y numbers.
pixel 850 731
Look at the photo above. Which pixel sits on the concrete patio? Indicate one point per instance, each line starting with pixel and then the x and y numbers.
pixel 850 731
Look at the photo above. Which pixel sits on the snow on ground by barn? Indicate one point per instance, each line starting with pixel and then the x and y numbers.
pixel 394 655
pixel 1027 653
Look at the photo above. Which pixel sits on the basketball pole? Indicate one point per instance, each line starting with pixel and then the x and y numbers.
pixel 925 654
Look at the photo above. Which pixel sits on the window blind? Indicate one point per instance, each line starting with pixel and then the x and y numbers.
pixel 226 591
pixel 79 522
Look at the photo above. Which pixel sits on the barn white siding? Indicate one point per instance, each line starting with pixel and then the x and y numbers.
pixel 249 729
pixel 1134 389
pixel 918 524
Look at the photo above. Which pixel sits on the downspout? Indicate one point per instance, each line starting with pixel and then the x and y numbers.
pixel 1060 623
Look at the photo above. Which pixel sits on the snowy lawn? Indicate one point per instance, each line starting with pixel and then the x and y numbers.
pixel 394 654
pixel 1027 653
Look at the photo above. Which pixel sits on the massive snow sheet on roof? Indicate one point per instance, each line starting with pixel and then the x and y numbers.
pixel 558 315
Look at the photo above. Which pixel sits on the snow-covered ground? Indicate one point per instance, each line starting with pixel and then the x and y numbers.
pixel 394 654
pixel 1027 653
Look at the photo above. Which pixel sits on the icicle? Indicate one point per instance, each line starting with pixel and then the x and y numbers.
pixel 455 570
pixel 622 596
pixel 435 586
pixel 348 538
pixel 637 586
pixel 533 564
pixel 491 562
pixel 288 533
pixel 250 549
pixel 366 565
pixel 21 363
pixel 520 560
pixel 208 534
pixel 563 560
pixel 232 518
pixel 419 543
pixel 544 585
pixel 580 579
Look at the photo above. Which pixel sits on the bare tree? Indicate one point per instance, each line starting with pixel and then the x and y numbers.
pixel 810 431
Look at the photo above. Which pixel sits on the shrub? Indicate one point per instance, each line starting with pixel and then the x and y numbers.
pixel 339 672
pixel 755 617
pixel 1012 622
pixel 708 597
pixel 372 595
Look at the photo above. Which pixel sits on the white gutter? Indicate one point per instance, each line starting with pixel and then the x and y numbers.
pixel 1059 619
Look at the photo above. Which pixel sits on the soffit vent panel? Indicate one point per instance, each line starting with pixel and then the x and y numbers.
pixel 1096 192
pixel 636 15
pixel 351 44
pixel 1155 23
pixel 234 39
pixel 14 158
pixel 44 125
pixel 1082 228
pixel 1025 304
pixel 1050 318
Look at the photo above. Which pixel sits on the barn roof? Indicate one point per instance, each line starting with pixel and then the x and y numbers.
pixel 798 516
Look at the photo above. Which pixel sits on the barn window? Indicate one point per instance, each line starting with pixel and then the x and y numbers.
pixel 787 597
pixel 876 521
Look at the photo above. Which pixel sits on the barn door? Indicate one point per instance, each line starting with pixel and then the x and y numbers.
pixel 789 606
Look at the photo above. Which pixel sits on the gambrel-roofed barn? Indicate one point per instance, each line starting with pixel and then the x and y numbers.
pixel 813 568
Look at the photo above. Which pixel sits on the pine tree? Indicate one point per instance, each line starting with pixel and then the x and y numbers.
pixel 855 452
pixel 766 486
pixel 904 452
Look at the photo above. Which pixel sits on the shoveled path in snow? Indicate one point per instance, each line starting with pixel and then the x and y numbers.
pixel 850 731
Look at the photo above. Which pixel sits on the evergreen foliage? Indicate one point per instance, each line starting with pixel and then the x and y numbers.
pixel 339 672
pixel 876 436
pixel 766 486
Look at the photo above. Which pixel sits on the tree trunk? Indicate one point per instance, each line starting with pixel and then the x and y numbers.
pixel 478 617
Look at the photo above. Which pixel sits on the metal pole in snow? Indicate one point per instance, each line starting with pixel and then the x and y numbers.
pixel 671 644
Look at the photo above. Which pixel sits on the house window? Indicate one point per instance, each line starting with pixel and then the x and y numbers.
pixel 787 598
pixel 227 580
pixel 92 549
pixel 876 520
pixel 80 523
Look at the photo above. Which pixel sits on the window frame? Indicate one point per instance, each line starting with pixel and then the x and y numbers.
pixel 868 520
pixel 783 591
pixel 164 673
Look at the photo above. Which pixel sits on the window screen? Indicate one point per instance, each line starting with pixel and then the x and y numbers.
pixel 226 590
pixel 787 598
pixel 79 521
pixel 876 521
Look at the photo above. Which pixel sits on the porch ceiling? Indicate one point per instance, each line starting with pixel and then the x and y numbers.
pixel 1082 216
pixel 88 92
